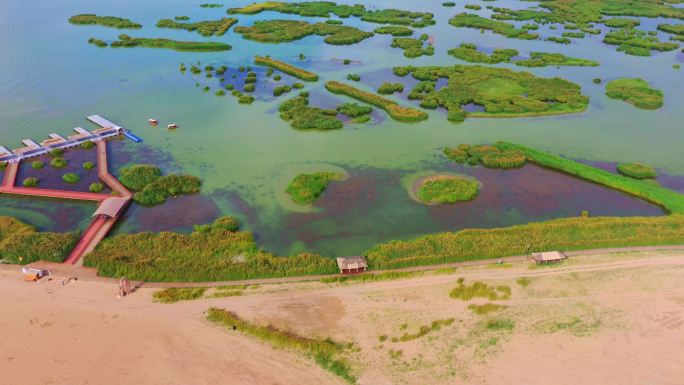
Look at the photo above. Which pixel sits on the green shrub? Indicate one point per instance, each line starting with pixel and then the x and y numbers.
pixel 37 164
pixel 88 165
pixel 58 162
pixel 388 88
pixel 96 187
pixel 30 182
pixel 306 188
pixel 354 77
pixel 87 145
pixel 637 171
pixel 71 178
pixel 138 176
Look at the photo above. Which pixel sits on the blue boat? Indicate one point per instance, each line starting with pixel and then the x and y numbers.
pixel 133 137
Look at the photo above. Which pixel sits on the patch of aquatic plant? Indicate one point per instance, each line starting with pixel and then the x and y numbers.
pixel 58 162
pixel 281 31
pixel 87 145
pixel 325 9
pixel 449 4
pixel 357 112
pixel 413 48
pixel 57 152
pixel 306 188
pixel 37 164
pixel 559 40
pixel 279 90
pixel 501 92
pixel 88 165
pixel 394 30
pixel 395 111
pixel 637 171
pixel 450 189
pixel 181 18
pixel 176 294
pixel 105 21
pixel 22 244
pixel 636 42
pixel 543 59
pixel 475 7
pixel 214 254
pixel 480 290
pixel 636 92
pixel 304 117
pixel 194 46
pixel 99 43
pixel 424 330
pixel 675 29
pixel 468 52
pixel 211 5
pixel 286 68
pixel 327 353
pixel 620 22
pixel 486 308
pixel 151 188
pixel 96 187
pixel 388 88
pixel 30 182
pixel 574 35
pixel 71 178
pixel 467 20
pixel 354 77
pixel 205 28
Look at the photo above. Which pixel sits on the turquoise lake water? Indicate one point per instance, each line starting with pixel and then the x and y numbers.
pixel 51 78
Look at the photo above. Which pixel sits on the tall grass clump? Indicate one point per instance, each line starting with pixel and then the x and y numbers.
pixel 21 241
pixel 325 352
pixel 395 111
pixel 286 68
pixel 636 92
pixel 176 294
pixel 485 308
pixel 480 290
pixel 306 188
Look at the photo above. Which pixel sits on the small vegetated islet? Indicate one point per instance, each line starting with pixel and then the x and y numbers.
pixel 636 92
pixel 286 68
pixel 395 111
pixel 448 189
pixel 637 170
pixel 205 28
pixel 151 188
pixel 105 21
pixel 306 188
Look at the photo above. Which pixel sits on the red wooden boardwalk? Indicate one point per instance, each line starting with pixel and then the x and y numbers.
pixel 100 225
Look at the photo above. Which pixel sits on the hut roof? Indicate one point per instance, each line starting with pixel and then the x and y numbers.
pixel 351 262
pixel 549 256
pixel 111 207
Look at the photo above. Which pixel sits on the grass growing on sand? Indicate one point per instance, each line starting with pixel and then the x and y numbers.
pixel 637 171
pixel 192 46
pixel 448 189
pixel 175 294
pixel 424 330
pixel 395 111
pixel 286 68
pixel 480 290
pixel 19 240
pixel 205 28
pixel 485 308
pixel 106 21
pixel 325 352
pixel 636 92
pixel 306 188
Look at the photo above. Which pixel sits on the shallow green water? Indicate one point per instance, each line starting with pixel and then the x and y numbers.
pixel 50 79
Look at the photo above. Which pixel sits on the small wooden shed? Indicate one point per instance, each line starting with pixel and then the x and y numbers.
pixel 352 265
pixel 549 257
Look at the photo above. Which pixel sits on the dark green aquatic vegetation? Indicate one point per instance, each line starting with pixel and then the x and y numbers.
pixel 205 28
pixel 637 171
pixel 211 5
pixel 96 187
pixel 413 47
pixel 543 59
pixel 105 21
pixel 619 22
pixel 597 80
pixel 98 42
pixel 468 20
pixel 336 22
pixel 245 99
pixel 354 110
pixel 204 46
pixel 88 165
pixel 286 68
pixel 635 91
pixel 3 166
pixel 474 7
pixel 304 117
pixel 326 9
pixel 676 29
pixel 574 35
pixel 281 31
pixel 636 42
pixel 394 30
pixel 388 88
pixel 220 93
pixel 58 162
pixel 87 145
pixel 71 178
pixel 306 188
pixel 559 40
pixel 354 77
pixel 279 90
pixel 468 52
pixel 449 4
pixel 181 18
pixel 395 111
pixel 37 164
pixel 22 244
pixel 249 87
pixel 447 189
pixel 30 182
pixel 530 27
pixel 500 92
pixel 151 188
pixel 56 153
pixel 488 156
pixel 346 61
pixel 297 86
pixel 138 176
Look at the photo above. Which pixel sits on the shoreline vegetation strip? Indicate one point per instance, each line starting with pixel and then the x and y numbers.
pixel 395 111
pixel 286 68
